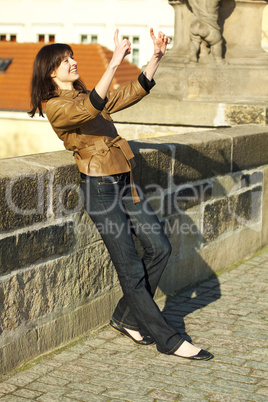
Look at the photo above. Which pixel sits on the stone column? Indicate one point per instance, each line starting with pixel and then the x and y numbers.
pixel 182 20
pixel 242 30
pixel 241 26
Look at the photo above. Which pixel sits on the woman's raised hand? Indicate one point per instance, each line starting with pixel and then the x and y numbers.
pixel 160 43
pixel 121 50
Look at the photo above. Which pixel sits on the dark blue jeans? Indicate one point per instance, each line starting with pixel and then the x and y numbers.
pixel 109 203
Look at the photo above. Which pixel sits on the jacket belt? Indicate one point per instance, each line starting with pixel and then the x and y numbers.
pixel 119 142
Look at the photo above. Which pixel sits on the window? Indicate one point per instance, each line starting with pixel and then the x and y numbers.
pixel 4 63
pixel 8 38
pixel 88 38
pixel 87 33
pixel 46 38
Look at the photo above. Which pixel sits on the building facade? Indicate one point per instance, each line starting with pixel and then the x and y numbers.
pixel 87 21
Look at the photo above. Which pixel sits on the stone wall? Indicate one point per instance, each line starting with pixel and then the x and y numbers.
pixel 210 190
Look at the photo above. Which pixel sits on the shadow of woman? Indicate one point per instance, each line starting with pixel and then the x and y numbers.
pixel 189 283
pixel 187 301
pixel 196 284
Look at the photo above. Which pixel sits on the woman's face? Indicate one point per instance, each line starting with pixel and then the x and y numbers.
pixel 66 74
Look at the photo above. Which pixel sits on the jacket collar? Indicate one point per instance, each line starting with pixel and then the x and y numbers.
pixel 67 93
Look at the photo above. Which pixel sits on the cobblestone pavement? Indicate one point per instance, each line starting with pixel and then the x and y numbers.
pixel 226 315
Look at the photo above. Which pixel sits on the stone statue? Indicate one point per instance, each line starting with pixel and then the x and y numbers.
pixel 205 29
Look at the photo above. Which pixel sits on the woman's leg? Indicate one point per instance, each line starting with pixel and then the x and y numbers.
pixel 107 211
pixel 156 247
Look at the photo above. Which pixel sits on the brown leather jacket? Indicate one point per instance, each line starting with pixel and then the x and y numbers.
pixel 82 121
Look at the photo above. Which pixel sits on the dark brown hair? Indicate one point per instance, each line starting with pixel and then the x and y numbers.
pixel 43 87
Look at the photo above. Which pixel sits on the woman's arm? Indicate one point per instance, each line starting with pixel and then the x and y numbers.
pixel 160 45
pixel 122 49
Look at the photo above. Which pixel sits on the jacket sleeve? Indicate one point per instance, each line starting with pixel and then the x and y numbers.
pixel 128 94
pixel 68 114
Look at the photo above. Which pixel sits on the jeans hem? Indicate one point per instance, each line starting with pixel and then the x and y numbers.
pixel 126 325
pixel 171 351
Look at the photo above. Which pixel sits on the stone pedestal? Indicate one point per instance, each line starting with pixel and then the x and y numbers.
pixel 226 91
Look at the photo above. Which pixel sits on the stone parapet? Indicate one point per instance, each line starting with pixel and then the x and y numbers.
pixel 162 110
pixel 57 282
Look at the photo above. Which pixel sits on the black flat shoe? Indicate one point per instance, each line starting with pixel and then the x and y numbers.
pixel 147 340
pixel 202 355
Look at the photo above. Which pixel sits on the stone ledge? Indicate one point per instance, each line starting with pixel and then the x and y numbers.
pixel 203 113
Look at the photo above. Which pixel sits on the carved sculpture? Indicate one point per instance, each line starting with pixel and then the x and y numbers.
pixel 204 29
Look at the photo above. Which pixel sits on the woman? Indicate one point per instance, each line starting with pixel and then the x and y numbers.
pixel 82 120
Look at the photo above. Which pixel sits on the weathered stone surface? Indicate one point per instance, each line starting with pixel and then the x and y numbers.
pixel 183 271
pixel 154 164
pixel 250 147
pixel 203 113
pixel 186 196
pixel 19 349
pixel 22 190
pixel 225 185
pixel 227 214
pixel 26 248
pixel 19 346
pixel 64 191
pixel 245 114
pixel 84 229
pixel 43 289
pixel 228 249
pixel 184 232
pixel 265 208
pixel 200 156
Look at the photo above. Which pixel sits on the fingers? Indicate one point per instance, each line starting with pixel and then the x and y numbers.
pixel 152 33
pixel 161 36
pixel 124 43
pixel 116 40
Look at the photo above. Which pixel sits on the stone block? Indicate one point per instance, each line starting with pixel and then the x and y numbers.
pixel 265 208
pixel 184 232
pixel 42 289
pixel 227 214
pixel 25 248
pixel 158 109
pixel 18 349
pixel 200 156
pixel 22 190
pixel 186 196
pixel 236 114
pixel 194 156
pixel 188 269
pixel 250 146
pixel 155 159
pixel 182 272
pixel 224 185
pixel 23 344
pixel 64 190
pixel 77 322
pixel 84 230
pixel 233 247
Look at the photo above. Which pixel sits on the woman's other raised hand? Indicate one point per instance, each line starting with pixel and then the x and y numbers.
pixel 121 49
pixel 160 43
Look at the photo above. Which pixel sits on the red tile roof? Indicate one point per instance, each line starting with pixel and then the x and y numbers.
pixel 15 82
